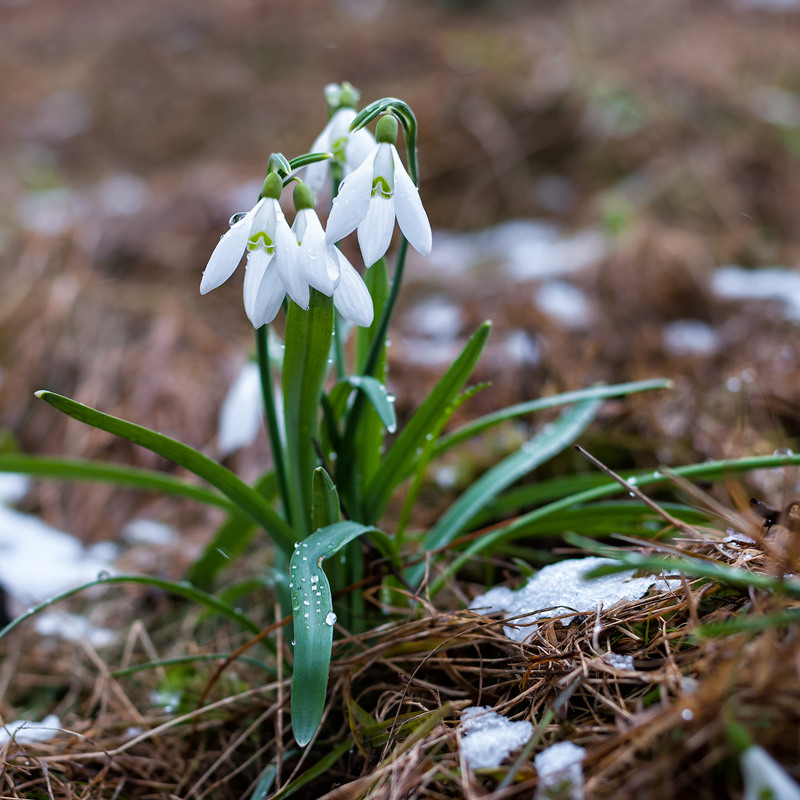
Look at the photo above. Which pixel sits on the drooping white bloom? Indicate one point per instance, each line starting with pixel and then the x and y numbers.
pixel 349 149
pixel 324 267
pixel 764 778
pixel 272 267
pixel 242 411
pixel 351 297
pixel 370 199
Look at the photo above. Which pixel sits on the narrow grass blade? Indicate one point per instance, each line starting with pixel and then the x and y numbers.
pixel 230 539
pixel 66 469
pixel 521 409
pixel 543 446
pixel 413 436
pixel 223 479
pixel 181 589
pixel 319 768
pixel 324 500
pixel 312 608
pixel 524 525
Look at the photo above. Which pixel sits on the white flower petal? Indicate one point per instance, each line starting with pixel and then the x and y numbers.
pixel 375 231
pixel 359 146
pixel 411 216
pixel 269 298
pixel 314 258
pixel 257 263
pixel 351 204
pixel 228 253
pixel 764 777
pixel 286 258
pixel 352 298
pixel 317 173
pixel 242 411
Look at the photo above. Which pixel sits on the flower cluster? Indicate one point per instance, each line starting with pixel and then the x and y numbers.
pixel 285 261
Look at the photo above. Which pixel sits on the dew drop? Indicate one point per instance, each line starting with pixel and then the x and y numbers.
pixel 783 451
pixel 330 618
pixel 238 217
pixel 103 575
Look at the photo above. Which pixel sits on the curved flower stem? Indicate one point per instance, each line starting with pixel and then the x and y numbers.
pixel 271 418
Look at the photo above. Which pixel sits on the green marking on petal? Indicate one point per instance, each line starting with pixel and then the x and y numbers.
pixel 381 186
pixel 338 149
pixel 261 238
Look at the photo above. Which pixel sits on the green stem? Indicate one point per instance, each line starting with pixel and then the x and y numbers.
pixel 271 417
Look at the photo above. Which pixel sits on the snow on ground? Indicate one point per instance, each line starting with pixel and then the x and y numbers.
pixel 488 737
pixel 559 589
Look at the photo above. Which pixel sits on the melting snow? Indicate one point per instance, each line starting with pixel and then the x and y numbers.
pixel 23 731
pixel 736 283
pixel 618 661
pixel 559 589
pixel 529 248
pixel 564 303
pixel 690 337
pixel 72 628
pixel 489 737
pixel 37 560
pixel 560 769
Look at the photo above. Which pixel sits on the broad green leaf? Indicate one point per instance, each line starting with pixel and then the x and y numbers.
pixel 324 500
pixel 512 412
pixel 378 397
pixel 240 494
pixel 312 609
pixel 305 363
pixel 230 539
pixel 118 474
pixel 404 449
pixel 552 439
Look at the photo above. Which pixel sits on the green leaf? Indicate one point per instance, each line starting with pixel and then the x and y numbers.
pixel 324 500
pixel 377 395
pixel 596 392
pixel 117 474
pixel 308 343
pixel 413 436
pixel 312 609
pixel 240 494
pixel 181 589
pixel 553 438
pixel 524 525
pixel 308 158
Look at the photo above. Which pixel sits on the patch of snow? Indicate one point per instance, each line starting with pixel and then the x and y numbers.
pixel 564 303
pixel 528 248
pixel 436 318
pixel 560 769
pixel 777 106
pixel 768 5
pixel 73 628
pixel 149 531
pixel 430 352
pixel 122 195
pixel 38 561
pixel 618 661
pixel 558 589
pixel 488 737
pixel 776 283
pixel 13 487
pixel 686 337
pixel 519 348
pixel 24 731
pixel 242 411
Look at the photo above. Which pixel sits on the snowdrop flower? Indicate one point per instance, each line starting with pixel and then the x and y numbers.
pixel 272 269
pixel 349 149
pixel 242 412
pixel 373 195
pixel 324 267
pixel 764 778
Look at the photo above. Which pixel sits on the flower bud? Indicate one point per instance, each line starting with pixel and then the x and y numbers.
pixel 273 186
pixel 386 130
pixel 303 197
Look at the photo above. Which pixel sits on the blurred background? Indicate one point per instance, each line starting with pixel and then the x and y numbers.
pixel 616 185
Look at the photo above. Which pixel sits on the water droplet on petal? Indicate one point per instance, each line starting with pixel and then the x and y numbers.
pixel 238 217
